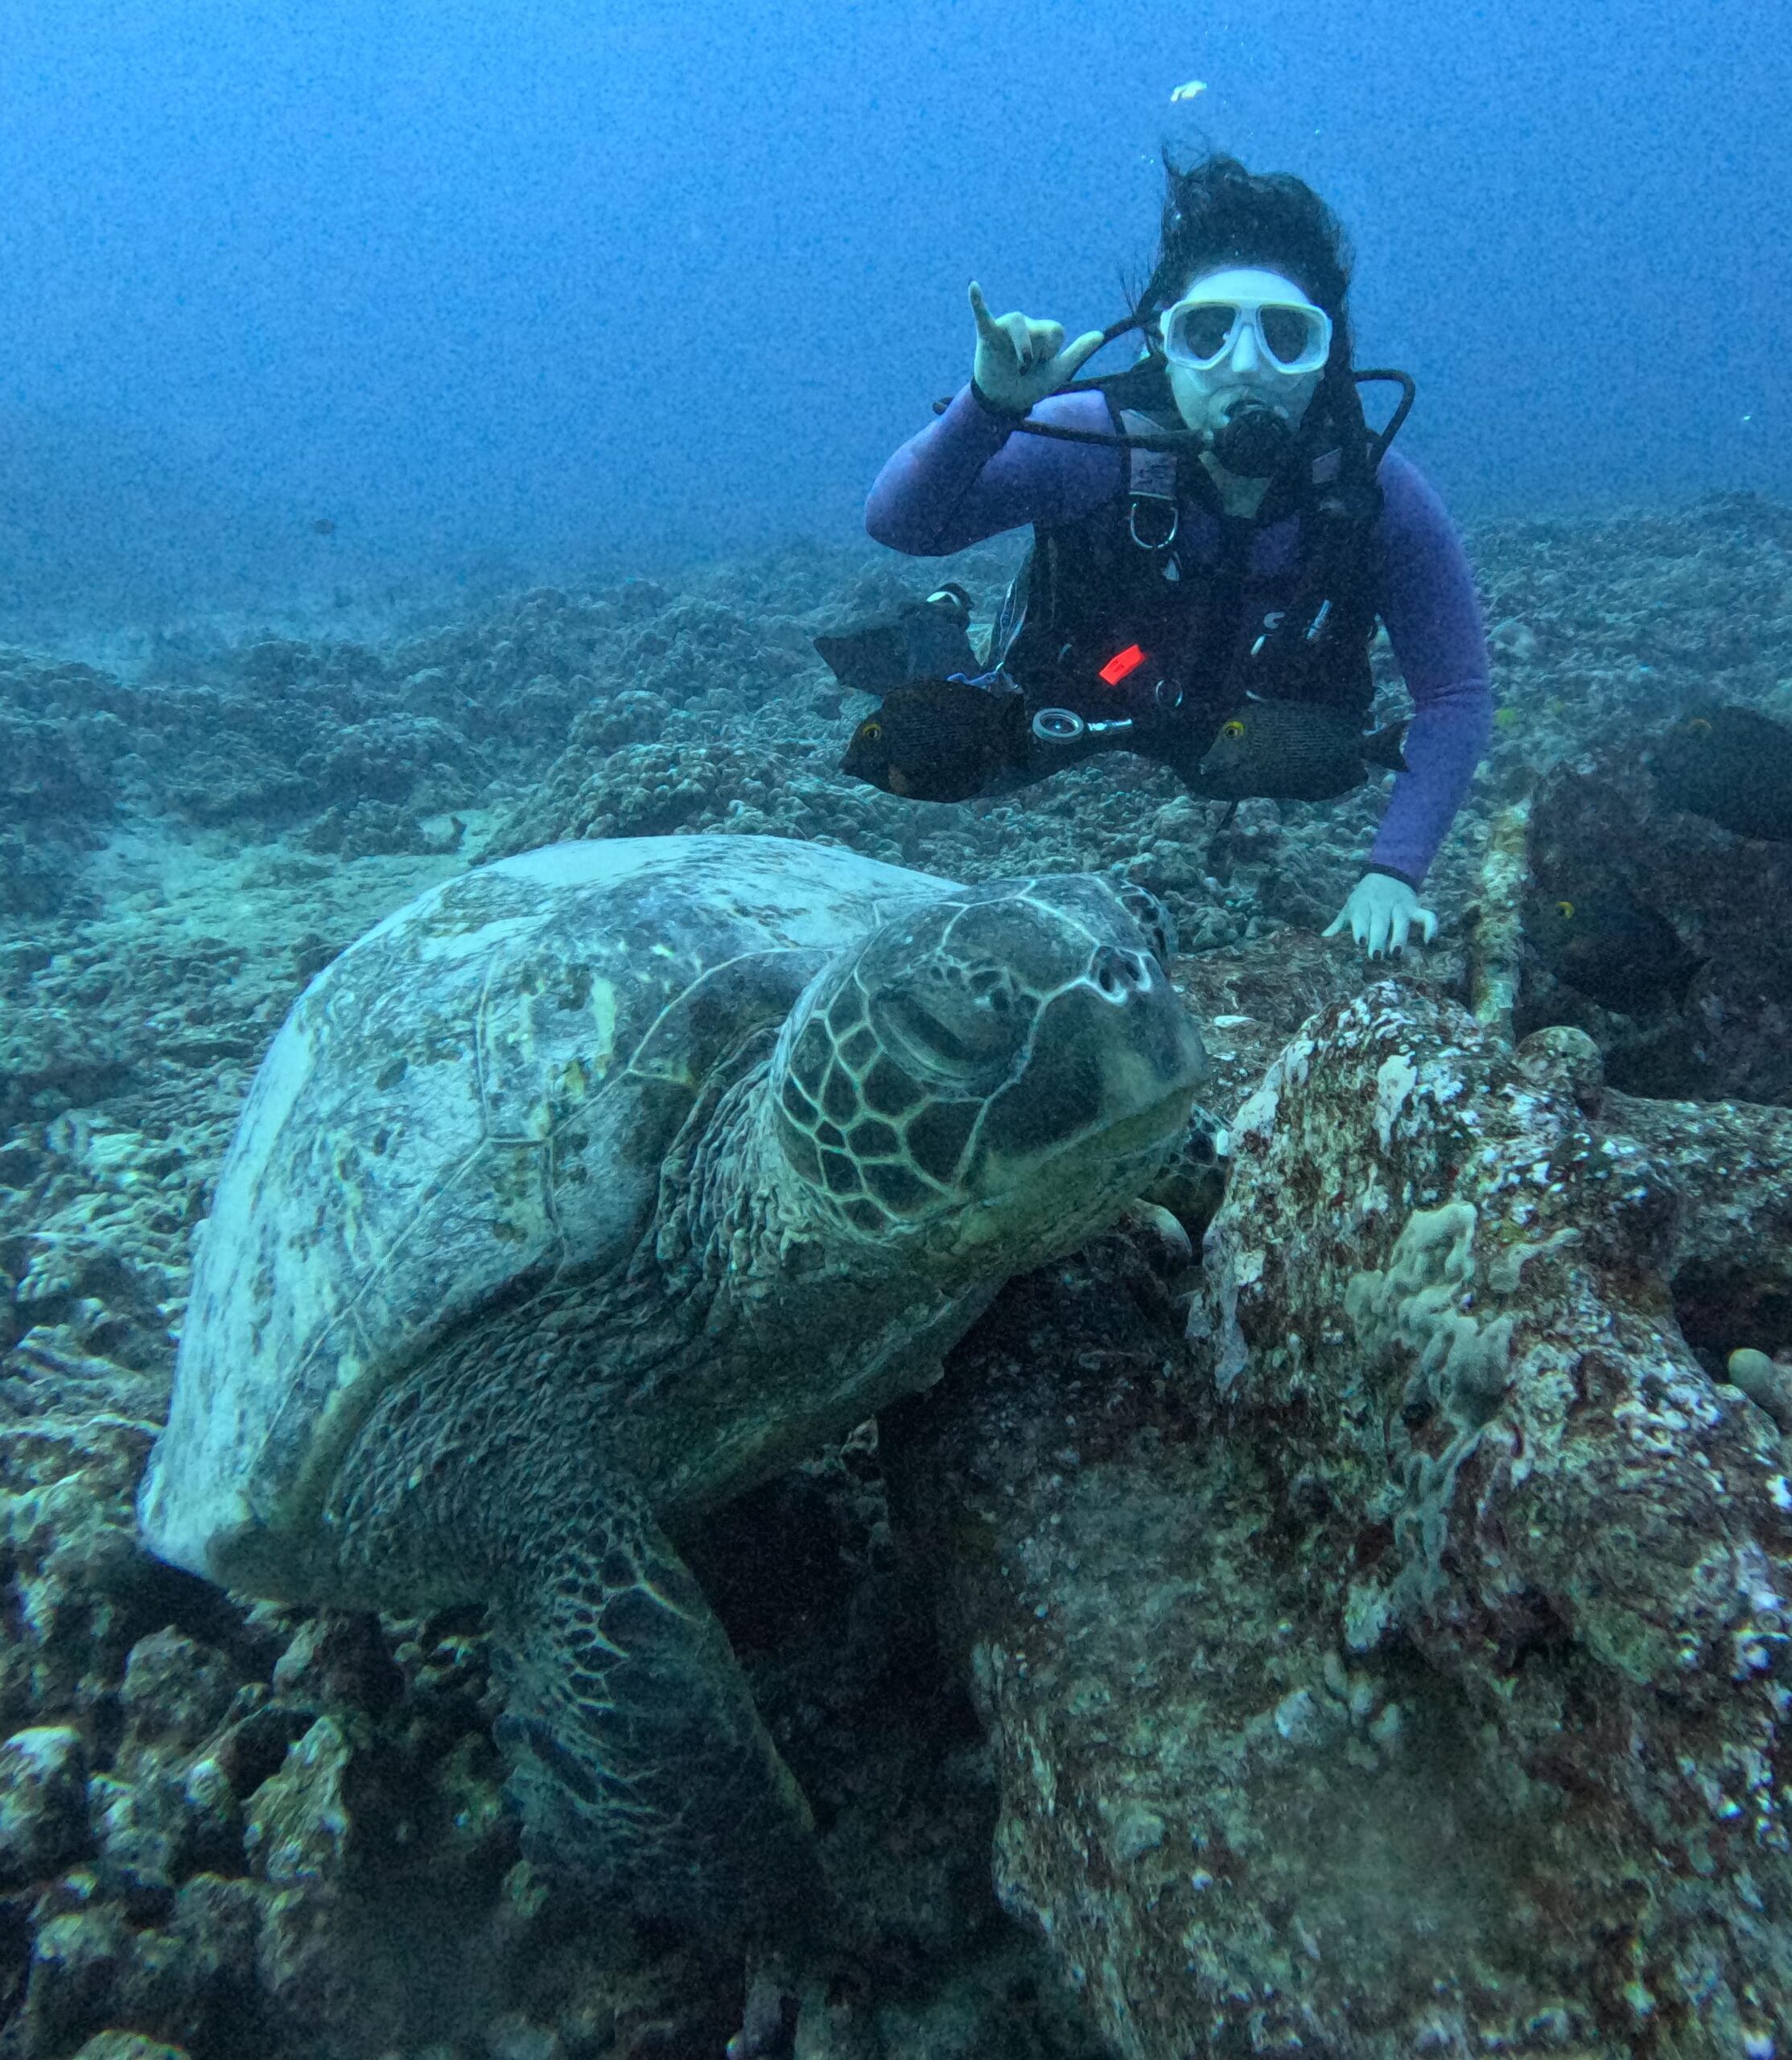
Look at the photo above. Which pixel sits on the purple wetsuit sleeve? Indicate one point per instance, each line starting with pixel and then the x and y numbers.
pixel 969 474
pixel 1427 602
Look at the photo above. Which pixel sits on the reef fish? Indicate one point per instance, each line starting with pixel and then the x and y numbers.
pixel 1292 750
pixel 1731 764
pixel 1620 954
pixel 940 740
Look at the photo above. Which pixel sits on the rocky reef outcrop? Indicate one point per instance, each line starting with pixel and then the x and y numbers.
pixel 1398 1661
pixel 1598 827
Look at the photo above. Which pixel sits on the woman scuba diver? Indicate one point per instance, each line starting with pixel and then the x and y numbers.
pixel 1214 526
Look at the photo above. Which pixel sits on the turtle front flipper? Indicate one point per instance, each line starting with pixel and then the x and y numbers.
pixel 638 1757
pixel 641 1763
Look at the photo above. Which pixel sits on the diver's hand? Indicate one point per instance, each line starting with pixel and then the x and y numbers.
pixel 1380 912
pixel 829 2010
pixel 763 2032
pixel 1019 362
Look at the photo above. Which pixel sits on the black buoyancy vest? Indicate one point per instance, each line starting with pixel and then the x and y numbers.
pixel 1123 583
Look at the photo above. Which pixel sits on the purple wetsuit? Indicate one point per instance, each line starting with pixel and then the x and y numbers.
pixel 968 475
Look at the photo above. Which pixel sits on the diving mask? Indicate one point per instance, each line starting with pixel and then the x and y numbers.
pixel 1245 351
pixel 1292 336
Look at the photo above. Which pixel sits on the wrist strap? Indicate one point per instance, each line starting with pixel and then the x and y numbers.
pixel 994 408
pixel 1391 872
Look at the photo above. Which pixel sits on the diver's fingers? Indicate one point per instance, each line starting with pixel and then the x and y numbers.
pixel 1077 354
pixel 1399 922
pixel 1012 333
pixel 1430 922
pixel 1032 343
pixel 1336 924
pixel 998 341
pixel 1024 339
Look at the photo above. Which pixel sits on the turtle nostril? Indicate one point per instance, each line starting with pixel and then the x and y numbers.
pixel 1119 974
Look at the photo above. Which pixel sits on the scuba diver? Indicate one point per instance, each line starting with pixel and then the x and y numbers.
pixel 1216 532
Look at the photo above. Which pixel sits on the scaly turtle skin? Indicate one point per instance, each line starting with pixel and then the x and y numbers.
pixel 595 1186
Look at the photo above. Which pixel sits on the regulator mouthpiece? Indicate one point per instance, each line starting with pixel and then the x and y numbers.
pixel 1253 440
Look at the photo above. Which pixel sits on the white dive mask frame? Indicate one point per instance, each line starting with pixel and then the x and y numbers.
pixel 1269 325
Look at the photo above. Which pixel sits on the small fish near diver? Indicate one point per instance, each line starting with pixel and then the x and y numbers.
pixel 1731 765
pixel 1289 751
pixel 940 740
pixel 1613 950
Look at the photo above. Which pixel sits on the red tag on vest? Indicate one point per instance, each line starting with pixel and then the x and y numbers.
pixel 1120 663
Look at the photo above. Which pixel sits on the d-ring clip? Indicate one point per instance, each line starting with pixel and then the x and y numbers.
pixel 1160 500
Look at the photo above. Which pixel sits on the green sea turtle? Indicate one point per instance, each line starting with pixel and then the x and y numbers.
pixel 596 1185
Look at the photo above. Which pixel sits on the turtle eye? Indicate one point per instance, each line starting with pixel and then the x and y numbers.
pixel 1234 728
pixel 1698 727
pixel 1564 908
pixel 870 732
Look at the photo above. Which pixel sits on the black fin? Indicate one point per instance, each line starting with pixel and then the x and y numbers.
pixel 1216 859
pixel 1681 984
pixel 870 658
pixel 1386 746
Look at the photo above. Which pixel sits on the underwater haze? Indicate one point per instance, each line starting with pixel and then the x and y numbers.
pixel 509 282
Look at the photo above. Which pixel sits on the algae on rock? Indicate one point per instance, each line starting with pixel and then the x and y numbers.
pixel 1433 1598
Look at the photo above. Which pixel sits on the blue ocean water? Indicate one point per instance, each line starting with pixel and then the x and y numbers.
pixel 466 280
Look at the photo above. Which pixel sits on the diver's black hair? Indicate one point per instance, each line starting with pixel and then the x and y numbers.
pixel 1217 213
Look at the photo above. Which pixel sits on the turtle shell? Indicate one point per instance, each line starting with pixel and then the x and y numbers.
pixel 476 1095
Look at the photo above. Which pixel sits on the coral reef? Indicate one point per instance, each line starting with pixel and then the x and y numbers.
pixel 1392 1663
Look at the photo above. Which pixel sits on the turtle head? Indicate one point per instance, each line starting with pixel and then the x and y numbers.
pixel 989 1075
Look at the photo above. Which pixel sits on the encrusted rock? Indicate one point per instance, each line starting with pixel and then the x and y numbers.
pixel 298 1819
pixel 338 1657
pixel 44 1824
pixel 81 1955
pixel 300 1826
pixel 1434 1598
pixel 1764 1381
pixel 175 1692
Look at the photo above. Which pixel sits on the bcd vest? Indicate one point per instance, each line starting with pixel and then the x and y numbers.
pixel 1119 615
